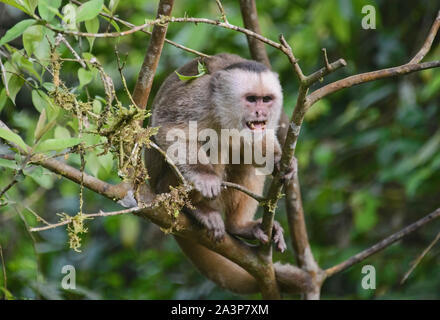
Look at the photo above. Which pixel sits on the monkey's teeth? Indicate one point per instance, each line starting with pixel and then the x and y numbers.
pixel 256 125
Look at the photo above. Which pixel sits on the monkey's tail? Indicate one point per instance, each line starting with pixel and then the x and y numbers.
pixel 231 276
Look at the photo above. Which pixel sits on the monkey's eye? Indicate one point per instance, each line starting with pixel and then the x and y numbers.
pixel 251 98
pixel 267 99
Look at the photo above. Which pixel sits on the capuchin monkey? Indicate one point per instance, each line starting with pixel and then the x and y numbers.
pixel 233 93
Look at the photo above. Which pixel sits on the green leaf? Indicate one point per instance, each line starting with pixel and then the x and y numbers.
pixel 3 99
pixel 49 86
pixel 31 5
pixel 42 102
pixel 84 76
pixel 16 4
pixel 113 23
pixel 106 162
pixel 48 8
pixel 113 5
pixel 97 106
pixel 201 69
pixel 39 100
pixel 16 30
pixel 92 26
pixel 14 85
pixel 32 37
pixel 23 63
pixel 13 137
pixel 8 164
pixel 40 125
pixel 41 176
pixel 57 144
pixel 89 10
pixel 92 164
pixel 61 133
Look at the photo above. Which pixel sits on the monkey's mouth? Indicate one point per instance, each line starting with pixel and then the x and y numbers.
pixel 256 125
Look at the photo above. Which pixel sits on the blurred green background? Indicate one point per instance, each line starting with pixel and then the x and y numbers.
pixel 368 158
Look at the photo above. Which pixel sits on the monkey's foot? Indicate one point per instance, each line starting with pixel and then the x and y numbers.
pixel 290 172
pixel 255 231
pixel 213 222
pixel 277 235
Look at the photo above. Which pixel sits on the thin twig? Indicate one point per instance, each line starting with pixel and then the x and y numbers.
pixel 4 78
pixel 9 186
pixel 419 258
pixel 222 11
pixel 169 161
pixel 130 25
pixel 326 63
pixel 60 38
pixel 124 83
pixel 428 42
pixel 109 34
pixel 86 216
pixel 382 244
pixel 293 61
pixel 244 190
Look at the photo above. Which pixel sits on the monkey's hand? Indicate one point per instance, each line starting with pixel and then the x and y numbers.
pixel 209 185
pixel 210 219
pixel 289 174
pixel 254 231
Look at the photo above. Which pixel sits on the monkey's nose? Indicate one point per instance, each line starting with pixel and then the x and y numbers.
pixel 261 113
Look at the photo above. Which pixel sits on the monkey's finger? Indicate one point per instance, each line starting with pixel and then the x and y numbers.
pixel 260 235
pixel 278 237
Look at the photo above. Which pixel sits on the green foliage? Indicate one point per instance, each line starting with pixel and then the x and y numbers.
pixel 200 68
pixel 368 156
pixel 89 10
pixel 16 31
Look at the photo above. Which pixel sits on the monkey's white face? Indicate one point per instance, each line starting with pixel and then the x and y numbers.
pixel 247 100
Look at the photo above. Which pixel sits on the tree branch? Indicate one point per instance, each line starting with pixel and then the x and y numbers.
pixel 382 244
pixel 130 25
pixel 428 42
pixel 367 77
pixel 148 70
pixel 250 19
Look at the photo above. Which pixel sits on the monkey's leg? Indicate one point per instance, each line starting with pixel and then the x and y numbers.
pixel 209 218
pixel 252 230
pixel 231 276
pixel 218 269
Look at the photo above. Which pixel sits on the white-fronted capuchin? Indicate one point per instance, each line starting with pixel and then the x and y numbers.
pixel 234 94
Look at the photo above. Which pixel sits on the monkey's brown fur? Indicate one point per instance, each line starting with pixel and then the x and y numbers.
pixel 179 102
